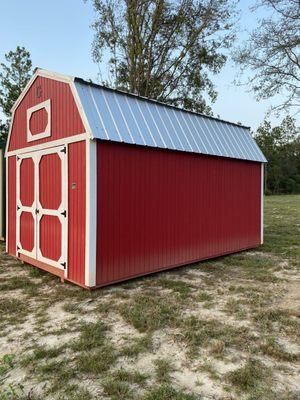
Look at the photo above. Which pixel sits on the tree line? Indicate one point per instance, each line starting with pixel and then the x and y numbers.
pixel 281 146
pixel 170 51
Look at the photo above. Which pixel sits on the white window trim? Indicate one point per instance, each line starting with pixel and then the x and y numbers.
pixel 47 132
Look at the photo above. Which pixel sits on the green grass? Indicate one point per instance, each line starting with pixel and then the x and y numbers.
pixel 208 368
pixel 282 232
pixel 167 392
pixel 19 282
pixel 74 392
pixel 201 333
pixel 16 392
pixel 137 346
pixel 6 363
pixel 272 320
pixel 12 311
pixel 40 353
pixel 204 296
pixel 273 349
pixel 97 361
pixel 117 390
pixel 250 377
pixel 149 311
pixel 163 370
pixel 130 376
pixel 92 335
pixel 182 289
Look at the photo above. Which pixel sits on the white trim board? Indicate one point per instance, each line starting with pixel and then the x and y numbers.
pixel 6 200
pixel 53 143
pixel 262 204
pixel 91 213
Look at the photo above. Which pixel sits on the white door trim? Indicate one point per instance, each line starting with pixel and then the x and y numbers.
pixel 21 208
pixel 36 253
pixel 61 151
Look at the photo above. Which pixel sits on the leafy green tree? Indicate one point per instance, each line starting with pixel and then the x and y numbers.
pixel 281 146
pixel 162 49
pixel 14 75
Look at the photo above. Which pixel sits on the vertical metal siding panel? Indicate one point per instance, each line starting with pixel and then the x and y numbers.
pixel 65 118
pixel 160 209
pixel 76 209
pixel 11 212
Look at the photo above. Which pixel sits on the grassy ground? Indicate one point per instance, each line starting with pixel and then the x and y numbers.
pixel 223 329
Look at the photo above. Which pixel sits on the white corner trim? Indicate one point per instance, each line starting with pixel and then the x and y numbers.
pixel 9 133
pixel 91 213
pixel 262 204
pixel 47 132
pixel 6 208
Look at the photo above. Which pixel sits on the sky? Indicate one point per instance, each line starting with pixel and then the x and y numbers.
pixel 59 37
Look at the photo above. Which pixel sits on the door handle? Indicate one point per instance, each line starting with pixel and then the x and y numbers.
pixel 37 211
pixel 64 213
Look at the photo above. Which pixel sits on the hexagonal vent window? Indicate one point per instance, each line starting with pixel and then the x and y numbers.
pixel 38 121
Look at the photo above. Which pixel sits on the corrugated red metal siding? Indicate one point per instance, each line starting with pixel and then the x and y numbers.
pixel 27 182
pixel 76 211
pixel 65 118
pixel 27 230
pixel 50 185
pixel 11 206
pixel 50 237
pixel 159 208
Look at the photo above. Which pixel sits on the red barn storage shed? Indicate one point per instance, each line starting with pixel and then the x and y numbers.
pixel 103 186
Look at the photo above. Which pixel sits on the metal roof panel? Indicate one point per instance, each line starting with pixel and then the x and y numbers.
pixel 122 117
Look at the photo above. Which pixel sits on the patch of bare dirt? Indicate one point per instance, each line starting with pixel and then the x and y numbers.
pixel 291 299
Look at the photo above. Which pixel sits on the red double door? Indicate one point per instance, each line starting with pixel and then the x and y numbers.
pixel 42 206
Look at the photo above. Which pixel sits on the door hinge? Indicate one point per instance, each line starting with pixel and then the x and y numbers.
pixel 64 213
pixel 18 208
pixel 64 264
pixel 64 150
